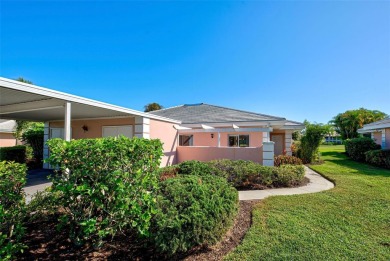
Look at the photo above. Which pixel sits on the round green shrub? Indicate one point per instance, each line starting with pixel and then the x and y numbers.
pixel 191 211
pixel 356 148
pixel 194 167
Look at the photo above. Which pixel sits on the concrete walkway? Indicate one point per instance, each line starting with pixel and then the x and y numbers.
pixel 37 180
pixel 317 183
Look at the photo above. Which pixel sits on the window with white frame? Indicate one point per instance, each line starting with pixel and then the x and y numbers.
pixel 238 140
pixel 186 140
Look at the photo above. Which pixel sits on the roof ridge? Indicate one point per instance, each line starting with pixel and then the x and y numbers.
pixel 163 109
pixel 245 111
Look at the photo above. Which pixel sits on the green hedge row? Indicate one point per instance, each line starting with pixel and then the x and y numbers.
pixel 356 148
pixel 15 153
pixel 379 158
pixel 241 174
pixel 12 208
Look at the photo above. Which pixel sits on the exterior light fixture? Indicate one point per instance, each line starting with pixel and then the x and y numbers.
pixel 212 135
pixel 85 128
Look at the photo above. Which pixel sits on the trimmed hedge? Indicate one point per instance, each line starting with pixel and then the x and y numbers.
pixel 286 159
pixel 108 185
pixel 240 174
pixel 12 208
pixel 194 167
pixel 193 211
pixel 15 153
pixel 356 148
pixel 379 158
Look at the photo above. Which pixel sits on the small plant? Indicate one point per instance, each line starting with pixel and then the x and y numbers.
pixel 12 208
pixel 168 172
pixel 356 148
pixel 192 211
pixel 15 153
pixel 108 185
pixel 286 159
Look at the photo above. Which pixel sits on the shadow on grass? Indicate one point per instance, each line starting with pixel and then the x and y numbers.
pixel 341 159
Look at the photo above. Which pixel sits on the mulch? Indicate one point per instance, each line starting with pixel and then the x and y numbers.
pixel 46 243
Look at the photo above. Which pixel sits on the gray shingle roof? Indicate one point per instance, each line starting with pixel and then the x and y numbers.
pixel 206 113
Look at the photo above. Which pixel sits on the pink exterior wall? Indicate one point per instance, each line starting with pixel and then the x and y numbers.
pixel 95 127
pixel 211 153
pixel 7 140
pixel 387 138
pixel 378 137
pixel 204 139
pixel 169 136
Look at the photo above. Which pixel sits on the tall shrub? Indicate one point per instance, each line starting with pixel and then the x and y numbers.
pixel 108 185
pixel 34 138
pixel 12 208
pixel 311 141
pixel 356 148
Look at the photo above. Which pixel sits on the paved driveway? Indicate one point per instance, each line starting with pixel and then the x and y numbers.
pixel 36 181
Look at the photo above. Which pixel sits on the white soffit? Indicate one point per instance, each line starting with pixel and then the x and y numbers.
pixel 29 102
pixel 206 127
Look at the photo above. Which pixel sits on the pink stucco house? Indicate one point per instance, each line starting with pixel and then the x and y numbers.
pixel 379 132
pixel 7 130
pixel 192 131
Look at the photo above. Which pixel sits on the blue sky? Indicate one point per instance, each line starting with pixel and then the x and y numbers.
pixel 296 59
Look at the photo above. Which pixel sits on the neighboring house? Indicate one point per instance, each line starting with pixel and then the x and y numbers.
pixel 379 131
pixel 210 132
pixel 198 131
pixel 7 130
pixel 334 138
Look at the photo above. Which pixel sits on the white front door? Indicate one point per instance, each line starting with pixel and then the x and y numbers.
pixel 278 139
pixel 115 131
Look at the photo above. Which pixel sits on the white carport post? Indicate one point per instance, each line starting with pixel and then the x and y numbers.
pixel 219 139
pixel 67 129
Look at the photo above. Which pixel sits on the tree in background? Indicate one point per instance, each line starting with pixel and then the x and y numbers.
pixel 347 123
pixel 153 107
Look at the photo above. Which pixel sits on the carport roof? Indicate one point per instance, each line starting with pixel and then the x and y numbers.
pixel 22 101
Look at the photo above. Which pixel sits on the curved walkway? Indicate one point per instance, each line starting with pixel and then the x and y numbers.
pixel 317 183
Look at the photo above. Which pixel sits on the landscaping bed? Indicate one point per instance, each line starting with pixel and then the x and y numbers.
pixel 45 243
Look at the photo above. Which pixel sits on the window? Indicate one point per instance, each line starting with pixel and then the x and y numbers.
pixel 185 140
pixel 238 140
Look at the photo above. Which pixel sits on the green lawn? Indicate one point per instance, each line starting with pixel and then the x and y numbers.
pixel 349 222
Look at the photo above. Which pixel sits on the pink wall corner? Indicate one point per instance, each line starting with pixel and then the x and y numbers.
pixel 169 136
pixel 7 140
pixel 378 137
pixel 387 132
pixel 95 127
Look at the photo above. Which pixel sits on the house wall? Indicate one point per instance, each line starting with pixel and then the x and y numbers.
pixel 169 136
pixel 211 153
pixel 204 139
pixel 377 137
pixel 387 132
pixel 95 127
pixel 7 140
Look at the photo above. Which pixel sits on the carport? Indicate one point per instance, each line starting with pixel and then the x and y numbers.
pixel 21 101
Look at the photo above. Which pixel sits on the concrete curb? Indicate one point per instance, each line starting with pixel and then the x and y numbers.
pixel 317 183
